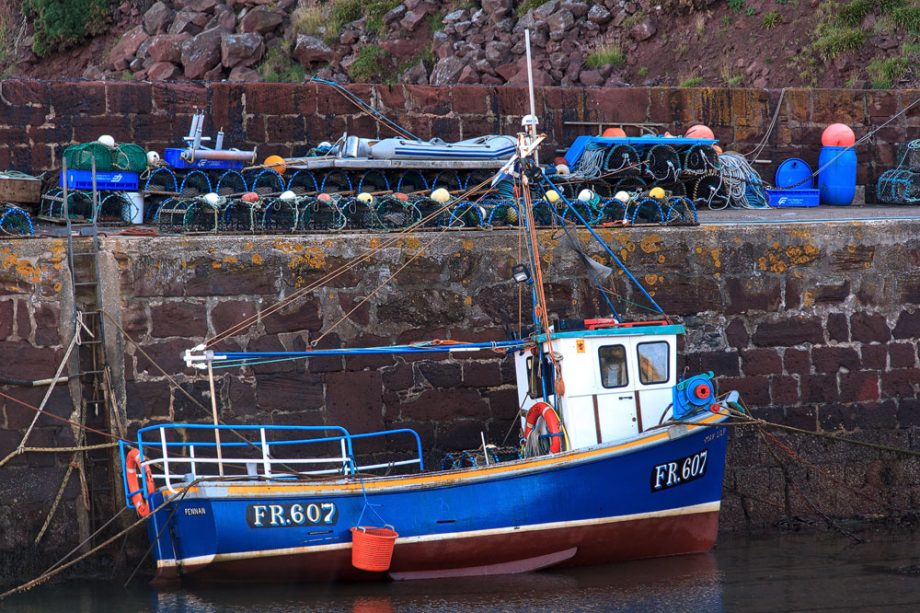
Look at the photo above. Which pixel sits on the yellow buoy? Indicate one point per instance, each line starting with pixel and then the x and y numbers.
pixel 553 196
pixel 657 193
pixel 276 163
pixel 440 195
pixel 365 198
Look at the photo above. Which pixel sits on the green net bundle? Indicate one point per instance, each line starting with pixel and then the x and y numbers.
pixel 125 156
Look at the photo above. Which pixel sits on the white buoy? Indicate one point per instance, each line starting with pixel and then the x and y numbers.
pixel 153 158
pixel 562 169
pixel 365 198
pixel 288 195
pixel 585 195
pixel 622 197
pixel 107 140
pixel 440 195
pixel 211 198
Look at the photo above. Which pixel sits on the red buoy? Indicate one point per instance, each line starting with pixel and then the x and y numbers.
pixel 838 135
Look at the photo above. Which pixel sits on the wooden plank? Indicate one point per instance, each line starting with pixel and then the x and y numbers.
pixel 22 191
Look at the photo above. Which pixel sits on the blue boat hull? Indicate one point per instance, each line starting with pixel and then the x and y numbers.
pixel 653 496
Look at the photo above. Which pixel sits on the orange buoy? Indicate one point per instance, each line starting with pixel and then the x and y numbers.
pixel 553 425
pixel 324 197
pixel 250 197
pixel 276 163
pixel 717 149
pixel 559 160
pixel 132 473
pixel 838 135
pixel 700 131
pixel 401 197
pixel 614 133
pixel 372 548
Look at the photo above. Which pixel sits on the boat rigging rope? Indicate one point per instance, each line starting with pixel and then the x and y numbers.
pixel 742 182
pixel 379 117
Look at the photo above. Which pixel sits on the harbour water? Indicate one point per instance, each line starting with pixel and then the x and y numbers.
pixel 779 572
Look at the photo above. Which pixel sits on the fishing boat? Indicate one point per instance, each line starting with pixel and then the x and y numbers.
pixel 619 459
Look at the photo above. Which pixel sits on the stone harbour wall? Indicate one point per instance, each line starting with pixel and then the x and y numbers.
pixel 39 119
pixel 815 325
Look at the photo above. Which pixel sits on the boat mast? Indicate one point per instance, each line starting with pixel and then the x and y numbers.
pixel 529 165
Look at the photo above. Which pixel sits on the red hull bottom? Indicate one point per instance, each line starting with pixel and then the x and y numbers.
pixel 595 544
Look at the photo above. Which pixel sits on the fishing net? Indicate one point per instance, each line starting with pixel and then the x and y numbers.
pixel 623 160
pixel 901 185
pixel 80 157
pixel 15 221
pixel 129 157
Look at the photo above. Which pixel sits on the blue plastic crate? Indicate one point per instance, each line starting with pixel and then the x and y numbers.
pixel 173 158
pixel 114 180
pixel 793 197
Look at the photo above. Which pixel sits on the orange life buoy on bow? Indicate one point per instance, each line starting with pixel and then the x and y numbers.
pixel 553 426
pixel 132 468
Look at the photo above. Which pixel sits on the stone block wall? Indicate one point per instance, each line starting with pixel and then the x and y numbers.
pixel 38 119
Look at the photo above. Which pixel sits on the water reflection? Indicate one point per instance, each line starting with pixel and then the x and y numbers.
pixel 780 572
pixel 682 582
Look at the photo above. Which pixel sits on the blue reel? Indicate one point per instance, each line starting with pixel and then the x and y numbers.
pixel 693 395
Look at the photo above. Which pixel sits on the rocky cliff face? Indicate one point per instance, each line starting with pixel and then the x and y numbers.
pixel 774 43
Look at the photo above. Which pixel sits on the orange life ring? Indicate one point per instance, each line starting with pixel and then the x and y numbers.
pixel 549 415
pixel 132 467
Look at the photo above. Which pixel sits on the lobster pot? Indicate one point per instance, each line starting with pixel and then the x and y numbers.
pixel 909 156
pixel 898 187
pixel 393 213
pixel 373 181
pixel 680 209
pixel 502 214
pixel 709 191
pixel 469 215
pixel 623 160
pixel 436 213
pixel 240 216
pixel 188 216
pixel 358 215
pixel 699 160
pixel 303 182
pixel 195 183
pixel 15 221
pixel 646 210
pixel 662 163
pixel 129 157
pixel 320 215
pixel 81 157
pixel 280 216
pixel 231 183
pixel 266 182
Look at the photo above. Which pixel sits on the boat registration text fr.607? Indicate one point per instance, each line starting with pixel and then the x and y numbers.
pixel 679 471
pixel 291 514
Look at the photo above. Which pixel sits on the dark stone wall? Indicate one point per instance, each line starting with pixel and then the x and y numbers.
pixel 38 119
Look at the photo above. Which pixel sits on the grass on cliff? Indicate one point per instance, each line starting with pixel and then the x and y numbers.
pixel 886 72
pixel 277 67
pixel 372 64
pixel 60 24
pixel 608 55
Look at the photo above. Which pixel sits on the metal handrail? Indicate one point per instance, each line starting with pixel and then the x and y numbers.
pixel 263 446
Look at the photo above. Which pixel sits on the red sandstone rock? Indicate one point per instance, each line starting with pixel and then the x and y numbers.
pixel 188 21
pixel 241 49
pixel 310 49
pixel 446 71
pixel 167 47
pixel 157 18
pixel 201 53
pixel 123 52
pixel 261 19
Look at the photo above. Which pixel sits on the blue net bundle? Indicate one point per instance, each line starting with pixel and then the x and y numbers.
pixel 901 185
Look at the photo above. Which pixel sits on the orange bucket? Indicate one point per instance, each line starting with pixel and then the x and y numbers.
pixel 372 548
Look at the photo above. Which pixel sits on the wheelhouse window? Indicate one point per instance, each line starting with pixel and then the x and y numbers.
pixel 534 378
pixel 654 362
pixel 612 360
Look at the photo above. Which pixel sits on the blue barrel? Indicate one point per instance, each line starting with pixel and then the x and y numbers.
pixel 837 178
pixel 793 173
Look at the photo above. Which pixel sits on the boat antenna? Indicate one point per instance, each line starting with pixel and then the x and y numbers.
pixel 531 122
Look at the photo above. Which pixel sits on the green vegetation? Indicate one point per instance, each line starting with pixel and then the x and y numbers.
pixel 835 40
pixel 643 71
pixel 610 54
pixel 60 24
pixel 771 20
pixel 885 73
pixel 907 17
pixel 751 11
pixel 730 79
pixel 375 11
pixel 527 5
pixel 370 65
pixel 692 82
pixel 277 67
pixel 634 19
pixel 436 22
pixel 309 20
pixel 736 5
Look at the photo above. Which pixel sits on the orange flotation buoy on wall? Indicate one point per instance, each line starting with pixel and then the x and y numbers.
pixel 838 135
pixel 614 133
